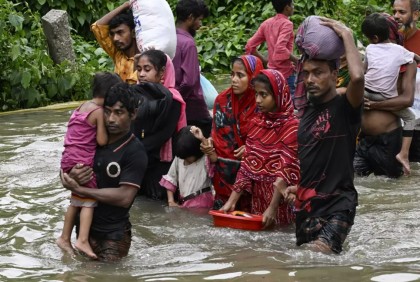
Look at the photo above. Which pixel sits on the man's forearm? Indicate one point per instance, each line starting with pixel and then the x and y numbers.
pixel 108 17
pixel 122 196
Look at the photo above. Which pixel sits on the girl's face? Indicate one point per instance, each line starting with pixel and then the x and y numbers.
pixel 190 160
pixel 146 72
pixel 264 98
pixel 239 78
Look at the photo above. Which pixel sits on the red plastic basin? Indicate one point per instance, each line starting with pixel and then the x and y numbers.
pixel 237 220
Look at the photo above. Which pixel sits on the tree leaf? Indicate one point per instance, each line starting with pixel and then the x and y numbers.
pixel 26 79
pixel 16 21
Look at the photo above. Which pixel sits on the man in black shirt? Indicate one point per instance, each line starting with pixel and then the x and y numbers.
pixel 326 198
pixel 119 168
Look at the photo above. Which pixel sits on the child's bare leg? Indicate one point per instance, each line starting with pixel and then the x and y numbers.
pixel 82 243
pixel 402 156
pixel 64 240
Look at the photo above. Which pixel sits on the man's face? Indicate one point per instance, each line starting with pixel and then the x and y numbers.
pixel 122 36
pixel 117 120
pixel 403 14
pixel 319 80
pixel 195 24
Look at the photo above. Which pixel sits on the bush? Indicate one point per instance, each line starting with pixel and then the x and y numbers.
pixel 28 77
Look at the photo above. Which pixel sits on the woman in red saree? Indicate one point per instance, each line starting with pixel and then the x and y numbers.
pixel 233 109
pixel 270 162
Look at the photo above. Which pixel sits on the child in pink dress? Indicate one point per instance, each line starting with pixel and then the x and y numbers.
pixel 190 172
pixel 85 130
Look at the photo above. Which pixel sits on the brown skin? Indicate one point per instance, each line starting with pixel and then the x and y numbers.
pixel 405 17
pixel 123 37
pixel 117 121
pixel 320 83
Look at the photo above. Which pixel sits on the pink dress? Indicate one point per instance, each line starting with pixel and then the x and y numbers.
pixel 80 147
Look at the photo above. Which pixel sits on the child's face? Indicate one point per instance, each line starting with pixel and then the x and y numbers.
pixel 190 160
pixel 146 72
pixel 264 98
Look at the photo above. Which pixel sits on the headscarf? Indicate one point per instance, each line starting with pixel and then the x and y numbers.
pixel 394 34
pixel 169 82
pixel 231 117
pixel 271 146
pixel 240 110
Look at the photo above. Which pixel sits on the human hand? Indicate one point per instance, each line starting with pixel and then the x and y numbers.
pixel 368 104
pixel 207 147
pixel 290 194
pixel 269 217
pixel 68 182
pixel 196 131
pixel 239 153
pixel 81 174
pixel 228 207
pixel 337 26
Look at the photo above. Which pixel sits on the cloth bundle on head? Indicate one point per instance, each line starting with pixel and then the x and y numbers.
pixel 314 41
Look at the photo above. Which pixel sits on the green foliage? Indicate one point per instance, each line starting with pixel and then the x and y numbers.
pixel 28 77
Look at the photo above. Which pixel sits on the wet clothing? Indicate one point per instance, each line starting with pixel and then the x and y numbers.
pixel 80 147
pixel 376 154
pixel 327 140
pixel 271 152
pixel 119 163
pixel 112 250
pixel 331 229
pixel 123 65
pixel 190 179
pixel 414 155
pixel 187 73
pixel 277 32
pixel 156 122
pixel 231 118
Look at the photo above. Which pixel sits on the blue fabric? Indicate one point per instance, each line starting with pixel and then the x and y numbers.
pixel 209 91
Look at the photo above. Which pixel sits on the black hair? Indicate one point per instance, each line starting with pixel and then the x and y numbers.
pixel 263 79
pixel 156 57
pixel 186 145
pixel 196 8
pixel 280 5
pixel 376 25
pixel 102 81
pixel 124 93
pixel 414 5
pixel 333 64
pixel 125 17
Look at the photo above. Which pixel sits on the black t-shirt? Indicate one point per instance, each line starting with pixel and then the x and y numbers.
pixel 123 162
pixel 327 141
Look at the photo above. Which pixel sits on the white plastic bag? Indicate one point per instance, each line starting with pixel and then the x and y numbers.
pixel 154 25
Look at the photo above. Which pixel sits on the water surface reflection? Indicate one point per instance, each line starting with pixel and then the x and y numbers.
pixel 173 244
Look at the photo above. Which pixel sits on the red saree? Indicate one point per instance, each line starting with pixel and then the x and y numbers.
pixel 271 152
pixel 231 117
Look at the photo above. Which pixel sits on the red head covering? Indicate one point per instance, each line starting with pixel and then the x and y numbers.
pixel 271 146
pixel 231 117
pixel 243 109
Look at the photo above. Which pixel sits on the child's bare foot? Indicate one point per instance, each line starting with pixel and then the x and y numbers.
pixel 85 248
pixel 65 245
pixel 405 163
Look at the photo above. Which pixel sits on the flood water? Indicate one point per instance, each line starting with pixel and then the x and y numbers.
pixel 171 244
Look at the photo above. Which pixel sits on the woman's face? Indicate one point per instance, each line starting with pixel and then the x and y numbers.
pixel 146 72
pixel 264 98
pixel 239 78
